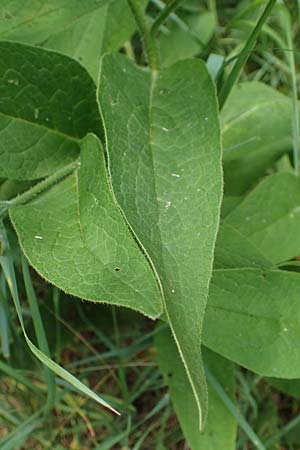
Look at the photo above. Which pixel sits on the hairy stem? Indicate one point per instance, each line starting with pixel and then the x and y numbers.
pixel 38 188
pixel 144 30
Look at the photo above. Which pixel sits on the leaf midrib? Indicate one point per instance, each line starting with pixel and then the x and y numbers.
pixel 38 125
pixel 55 31
pixel 226 126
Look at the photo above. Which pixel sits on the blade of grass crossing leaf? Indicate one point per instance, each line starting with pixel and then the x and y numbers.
pixel 164 14
pixel 8 269
pixel 234 411
pixel 244 55
pixel 40 333
pixel 178 21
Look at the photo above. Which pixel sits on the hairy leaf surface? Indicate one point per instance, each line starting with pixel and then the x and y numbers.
pixel 47 105
pixel 164 148
pixel 75 236
pixel 220 428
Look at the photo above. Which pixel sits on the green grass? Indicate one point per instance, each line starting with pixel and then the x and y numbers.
pixel 114 349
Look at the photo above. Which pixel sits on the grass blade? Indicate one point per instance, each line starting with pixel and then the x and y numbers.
pixel 244 55
pixel 40 332
pixel 19 378
pixel 4 333
pixel 17 437
pixel 234 411
pixel 164 14
pixel 287 26
pixel 8 269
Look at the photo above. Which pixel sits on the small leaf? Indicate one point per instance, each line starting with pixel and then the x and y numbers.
pixel 253 317
pixel 256 131
pixel 233 250
pixel 288 387
pixel 47 105
pixel 164 151
pixel 269 217
pixel 74 235
pixel 220 429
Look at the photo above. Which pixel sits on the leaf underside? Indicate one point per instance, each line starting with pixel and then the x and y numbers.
pixel 164 151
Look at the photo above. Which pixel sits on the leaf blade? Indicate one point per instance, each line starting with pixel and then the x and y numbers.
pixel 75 237
pixel 48 104
pixel 159 154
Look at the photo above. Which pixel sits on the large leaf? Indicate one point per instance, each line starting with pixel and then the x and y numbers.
pixel 164 148
pixel 256 130
pixel 75 236
pixel 220 428
pixel 269 217
pixel 82 29
pixel 47 104
pixel 253 318
pixel 253 311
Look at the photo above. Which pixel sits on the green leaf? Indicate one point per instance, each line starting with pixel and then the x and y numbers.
pixel 75 236
pixel 220 429
pixel 269 217
pixel 288 387
pixel 164 151
pixel 256 131
pixel 189 36
pixel 47 105
pixel 252 318
pixel 233 250
pixel 11 188
pixel 83 30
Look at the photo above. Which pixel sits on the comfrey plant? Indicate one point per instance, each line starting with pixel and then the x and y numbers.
pixel 124 168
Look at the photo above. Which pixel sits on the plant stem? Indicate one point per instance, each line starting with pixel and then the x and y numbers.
pixel 38 188
pixel 163 15
pixel 295 111
pixel 144 29
pixel 244 55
